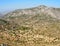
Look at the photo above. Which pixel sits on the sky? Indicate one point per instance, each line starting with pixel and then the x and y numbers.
pixel 8 5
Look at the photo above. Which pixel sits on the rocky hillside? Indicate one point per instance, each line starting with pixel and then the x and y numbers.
pixel 28 14
pixel 54 12
pixel 38 26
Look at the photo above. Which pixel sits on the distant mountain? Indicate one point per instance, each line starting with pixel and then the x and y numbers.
pixel 0 14
pixel 41 12
pixel 38 26
pixel 54 12
pixel 5 11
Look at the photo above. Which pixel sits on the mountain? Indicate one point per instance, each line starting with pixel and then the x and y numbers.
pixel 37 26
pixel 25 14
pixel 0 13
pixel 54 12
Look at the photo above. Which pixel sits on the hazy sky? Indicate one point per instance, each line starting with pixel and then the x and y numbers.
pixel 6 5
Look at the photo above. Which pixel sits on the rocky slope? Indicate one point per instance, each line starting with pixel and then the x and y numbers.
pixel 38 26
pixel 54 12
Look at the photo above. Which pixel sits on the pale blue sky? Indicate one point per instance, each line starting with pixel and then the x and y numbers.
pixel 6 5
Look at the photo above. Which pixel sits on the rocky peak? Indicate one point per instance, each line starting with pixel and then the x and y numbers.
pixel 42 6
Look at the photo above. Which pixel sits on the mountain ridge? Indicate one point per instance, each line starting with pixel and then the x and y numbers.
pixel 36 10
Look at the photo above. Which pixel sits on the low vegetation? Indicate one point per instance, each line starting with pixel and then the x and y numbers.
pixel 30 29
